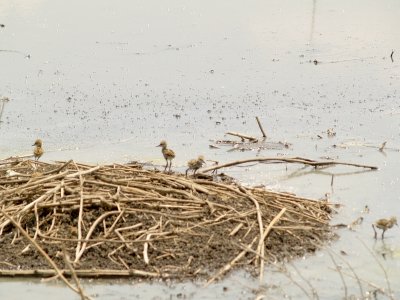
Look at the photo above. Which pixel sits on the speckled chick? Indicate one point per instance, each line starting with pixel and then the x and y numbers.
pixel 385 224
pixel 168 154
pixel 195 164
pixel 38 150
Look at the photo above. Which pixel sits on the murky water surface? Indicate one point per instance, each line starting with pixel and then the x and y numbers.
pixel 105 81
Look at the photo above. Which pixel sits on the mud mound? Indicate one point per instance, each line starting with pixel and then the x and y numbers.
pixel 125 220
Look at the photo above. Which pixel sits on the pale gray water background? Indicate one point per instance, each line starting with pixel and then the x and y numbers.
pixel 107 80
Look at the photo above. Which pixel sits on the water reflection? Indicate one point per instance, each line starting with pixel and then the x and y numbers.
pixel 314 8
pixel 3 101
pixel 20 7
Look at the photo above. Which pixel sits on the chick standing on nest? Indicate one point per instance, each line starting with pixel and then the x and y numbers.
pixel 195 164
pixel 168 154
pixel 384 224
pixel 38 151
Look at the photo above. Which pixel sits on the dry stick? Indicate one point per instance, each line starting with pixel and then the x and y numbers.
pixel 383 269
pixel 40 250
pixel 138 187
pixel 191 184
pixel 227 187
pixel 103 240
pixel 169 215
pixel 84 273
pixel 113 225
pixel 37 221
pixel 80 173
pixel 123 239
pixel 73 274
pixel 236 229
pixel 298 160
pixel 27 207
pixel 129 227
pixel 261 128
pixel 145 247
pixel 264 236
pixel 229 265
pixel 259 219
pixel 34 184
pixel 58 169
pixel 243 136
pixel 123 262
pixel 91 229
pixel 78 245
pixel 53 221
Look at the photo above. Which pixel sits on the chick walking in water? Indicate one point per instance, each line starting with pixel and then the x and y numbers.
pixel 384 224
pixel 195 164
pixel 168 154
pixel 38 151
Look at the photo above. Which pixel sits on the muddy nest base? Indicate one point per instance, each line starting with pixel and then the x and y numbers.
pixel 125 220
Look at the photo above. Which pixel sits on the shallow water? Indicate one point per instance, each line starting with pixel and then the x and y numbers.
pixel 104 82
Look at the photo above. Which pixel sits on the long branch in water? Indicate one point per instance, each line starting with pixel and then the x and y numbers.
pixel 297 160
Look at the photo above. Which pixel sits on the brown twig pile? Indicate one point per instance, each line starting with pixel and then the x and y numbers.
pixel 125 220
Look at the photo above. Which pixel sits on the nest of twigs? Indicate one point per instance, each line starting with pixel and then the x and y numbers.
pixel 126 220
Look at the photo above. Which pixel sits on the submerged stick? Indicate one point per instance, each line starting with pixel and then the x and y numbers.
pixel 338 269
pixel 3 101
pixel 355 276
pixel 261 128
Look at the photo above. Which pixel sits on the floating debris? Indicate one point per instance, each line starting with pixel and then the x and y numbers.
pixel 331 132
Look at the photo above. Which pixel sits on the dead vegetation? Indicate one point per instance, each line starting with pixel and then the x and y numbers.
pixel 124 220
